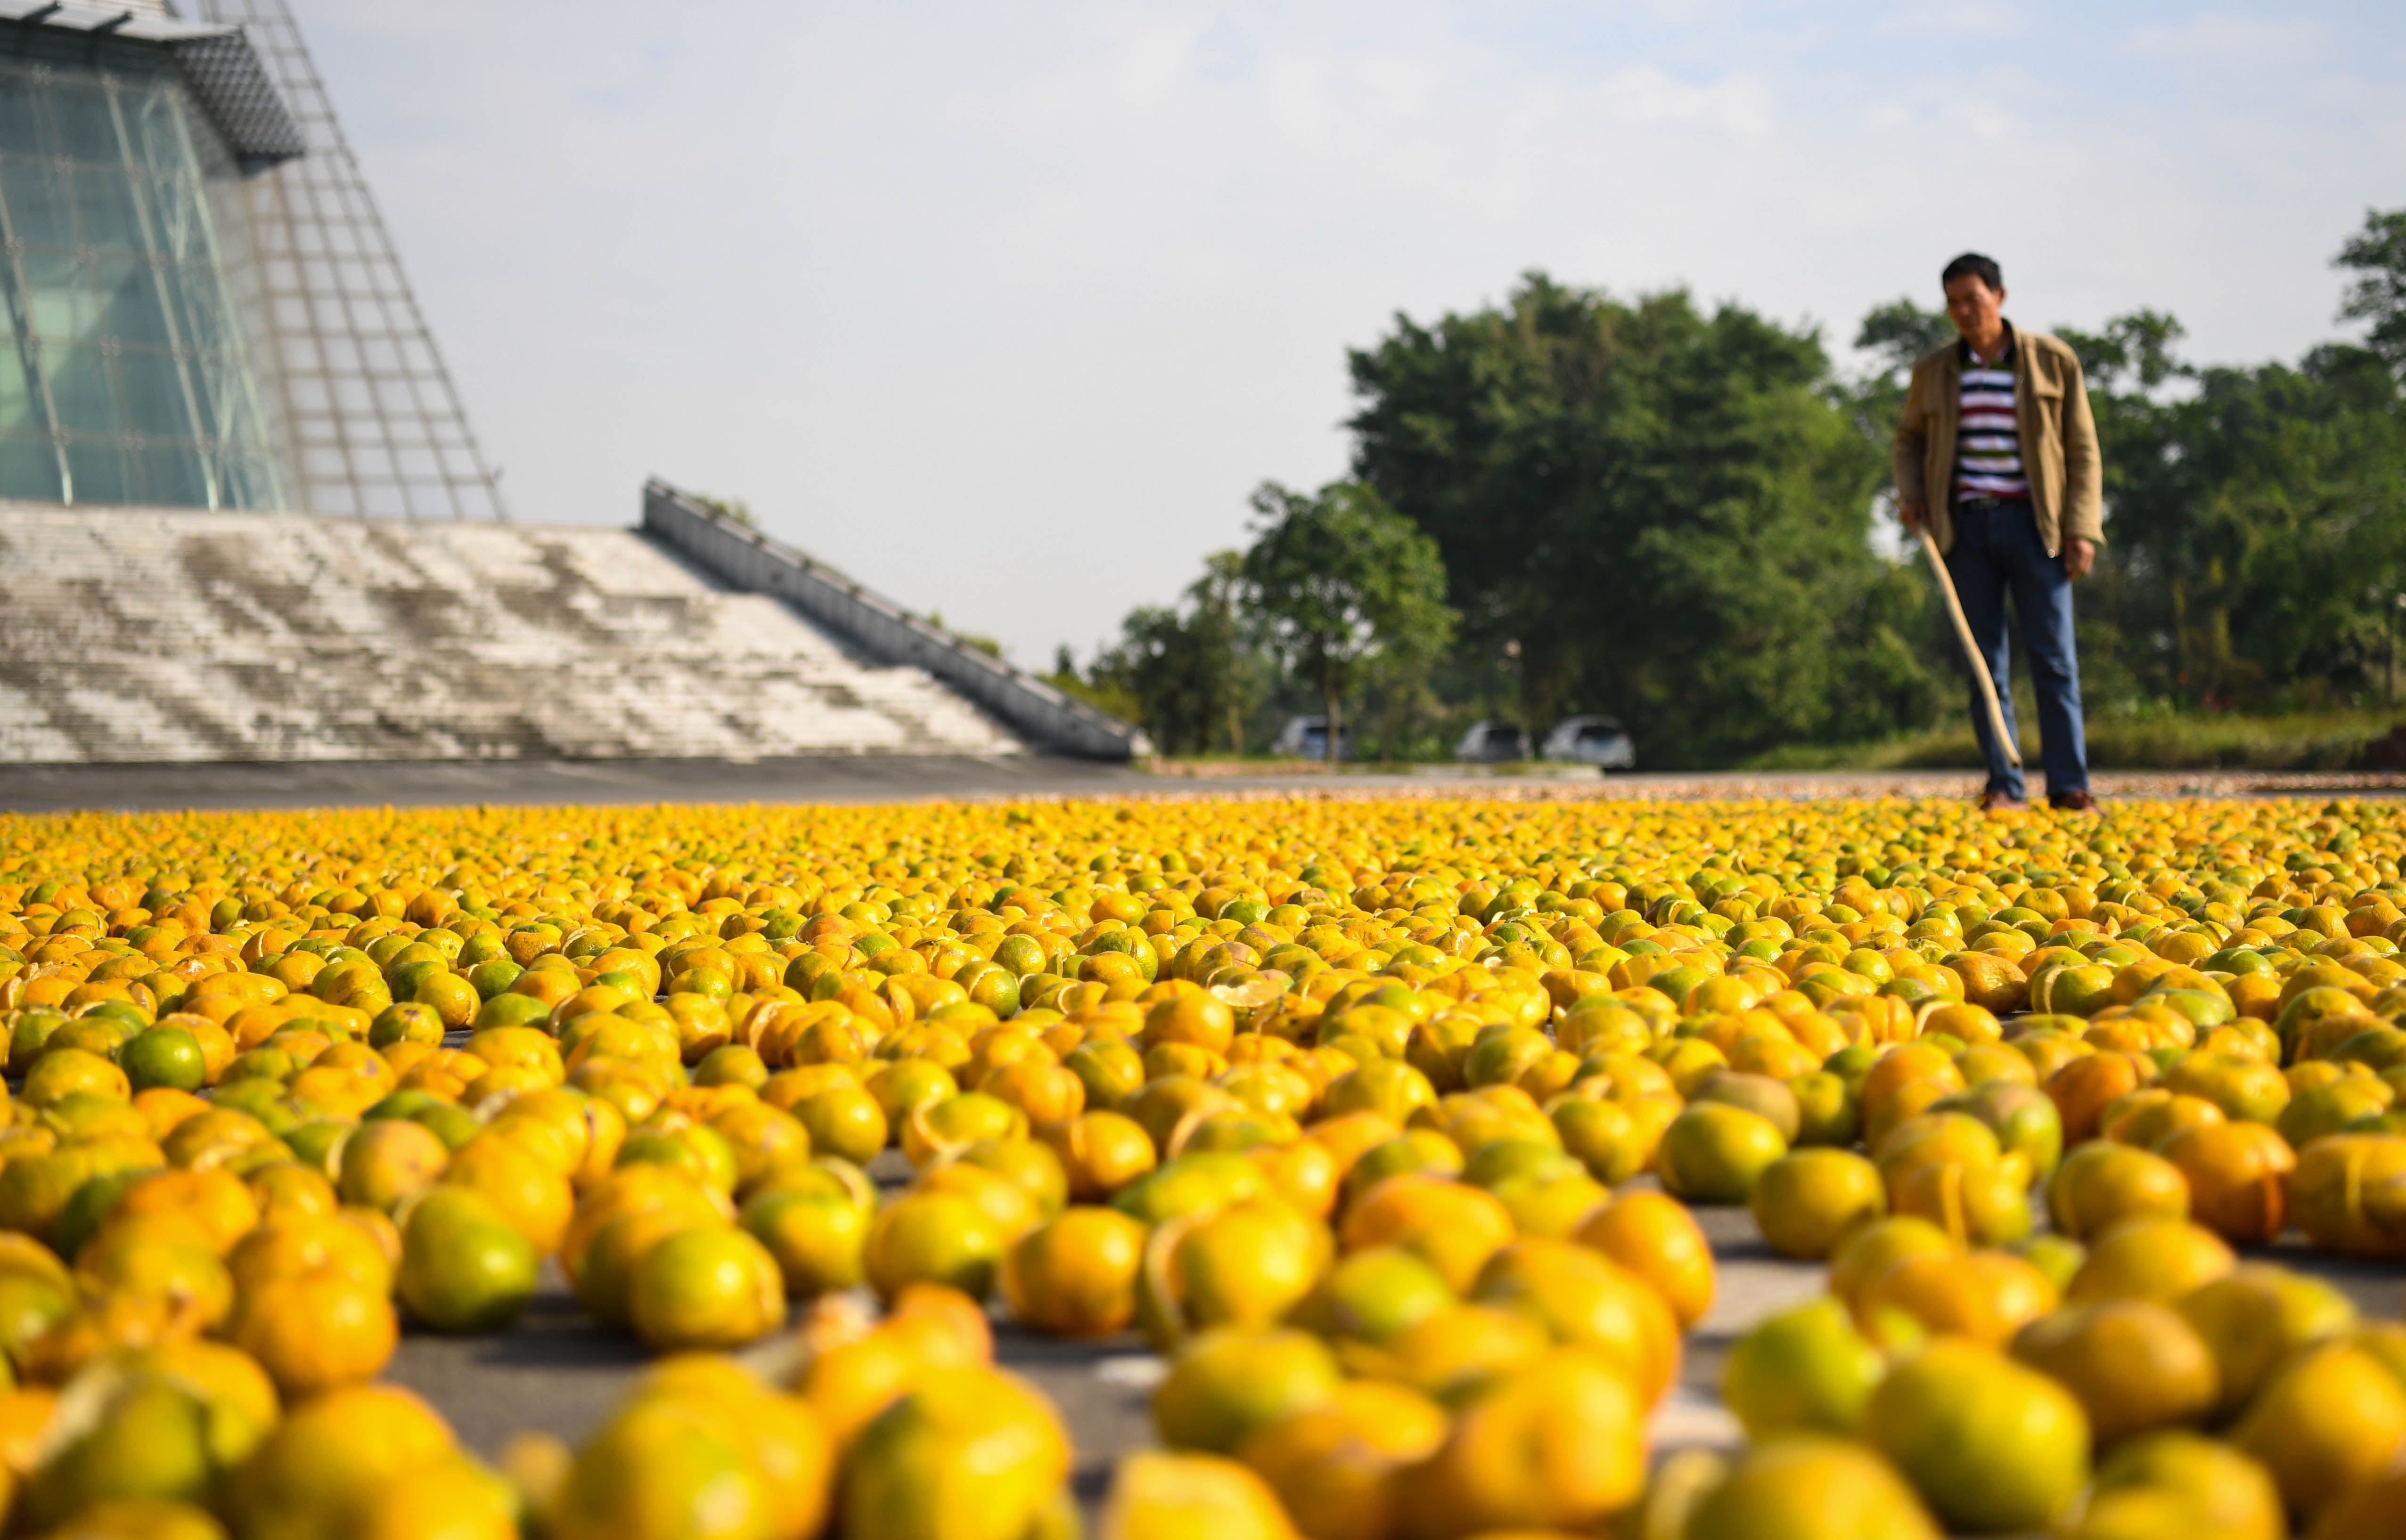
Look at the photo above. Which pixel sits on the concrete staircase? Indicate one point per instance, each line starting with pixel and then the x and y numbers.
pixel 133 635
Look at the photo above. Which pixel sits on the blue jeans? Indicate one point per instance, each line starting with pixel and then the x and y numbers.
pixel 1997 551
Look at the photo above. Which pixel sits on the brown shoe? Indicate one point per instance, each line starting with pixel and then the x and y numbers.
pixel 1998 802
pixel 2070 801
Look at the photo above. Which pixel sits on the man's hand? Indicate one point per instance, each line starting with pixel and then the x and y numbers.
pixel 1911 515
pixel 2079 557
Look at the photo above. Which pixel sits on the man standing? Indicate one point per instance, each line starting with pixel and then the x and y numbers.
pixel 1997 453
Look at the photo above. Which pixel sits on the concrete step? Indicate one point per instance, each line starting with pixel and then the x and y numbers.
pixel 141 635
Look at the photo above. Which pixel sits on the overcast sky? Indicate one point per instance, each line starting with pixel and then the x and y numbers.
pixel 1004 308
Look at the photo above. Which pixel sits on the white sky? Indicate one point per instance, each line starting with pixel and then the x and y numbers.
pixel 1004 309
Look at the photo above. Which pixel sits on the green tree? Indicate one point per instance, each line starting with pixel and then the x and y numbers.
pixel 1103 691
pixel 2377 256
pixel 1183 671
pixel 1343 588
pixel 1897 335
pixel 1669 509
pixel 2257 528
pixel 1217 620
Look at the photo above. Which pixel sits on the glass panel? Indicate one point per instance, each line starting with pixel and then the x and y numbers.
pixel 58 302
pixel 18 411
pixel 38 211
pixel 171 473
pixel 247 483
pixel 155 394
pixel 118 270
pixel 99 470
pixel 104 201
pixel 20 117
pixel 79 110
pixel 132 291
pixel 29 468
pixel 201 318
pixel 79 388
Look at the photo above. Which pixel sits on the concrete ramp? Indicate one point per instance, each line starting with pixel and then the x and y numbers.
pixel 128 635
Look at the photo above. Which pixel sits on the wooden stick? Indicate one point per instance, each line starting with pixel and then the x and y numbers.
pixel 1971 647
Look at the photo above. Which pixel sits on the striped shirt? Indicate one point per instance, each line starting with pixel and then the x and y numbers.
pixel 1988 443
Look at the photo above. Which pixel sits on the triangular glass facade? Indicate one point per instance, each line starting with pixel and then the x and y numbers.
pixel 364 410
pixel 124 376
pixel 202 304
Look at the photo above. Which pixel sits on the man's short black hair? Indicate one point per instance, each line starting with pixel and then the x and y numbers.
pixel 1982 268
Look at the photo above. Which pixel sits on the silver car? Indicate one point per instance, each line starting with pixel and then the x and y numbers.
pixel 1493 742
pixel 1306 738
pixel 1597 741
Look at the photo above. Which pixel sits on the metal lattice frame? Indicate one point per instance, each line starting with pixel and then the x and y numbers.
pixel 372 423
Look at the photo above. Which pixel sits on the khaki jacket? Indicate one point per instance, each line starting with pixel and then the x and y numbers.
pixel 2059 440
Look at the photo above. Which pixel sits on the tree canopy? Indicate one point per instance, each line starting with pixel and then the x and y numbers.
pixel 1341 586
pixel 1667 509
pixel 1575 501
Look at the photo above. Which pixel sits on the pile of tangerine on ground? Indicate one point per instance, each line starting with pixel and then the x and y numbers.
pixel 1340 1102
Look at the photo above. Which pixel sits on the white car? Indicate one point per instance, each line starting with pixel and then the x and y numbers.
pixel 1493 742
pixel 1597 741
pixel 1306 738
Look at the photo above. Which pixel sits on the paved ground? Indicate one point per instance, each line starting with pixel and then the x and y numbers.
pixel 558 1373
pixel 825 778
pixel 878 777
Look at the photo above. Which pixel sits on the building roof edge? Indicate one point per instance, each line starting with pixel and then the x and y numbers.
pixel 228 78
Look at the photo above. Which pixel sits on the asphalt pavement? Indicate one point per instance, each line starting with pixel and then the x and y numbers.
pixel 918 778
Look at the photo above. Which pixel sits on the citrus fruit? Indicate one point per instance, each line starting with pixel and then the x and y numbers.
pixel 1804 1369
pixel 1076 1276
pixel 1804 1488
pixel 1338 1466
pixel 965 1454
pixel 1808 1202
pixel 1375 1293
pixel 934 1237
pixel 2136 1365
pixel 1992 1447
pixel 1559 1443
pixel 2179 1483
pixel 463 1267
pixel 1229 1385
pixel 1660 1241
pixel 2254 1318
pixel 2334 1419
pixel 657 1470
pixel 1714 1153
pixel 1158 1496
pixel 711 1286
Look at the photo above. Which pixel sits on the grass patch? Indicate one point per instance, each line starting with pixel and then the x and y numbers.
pixel 2304 740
